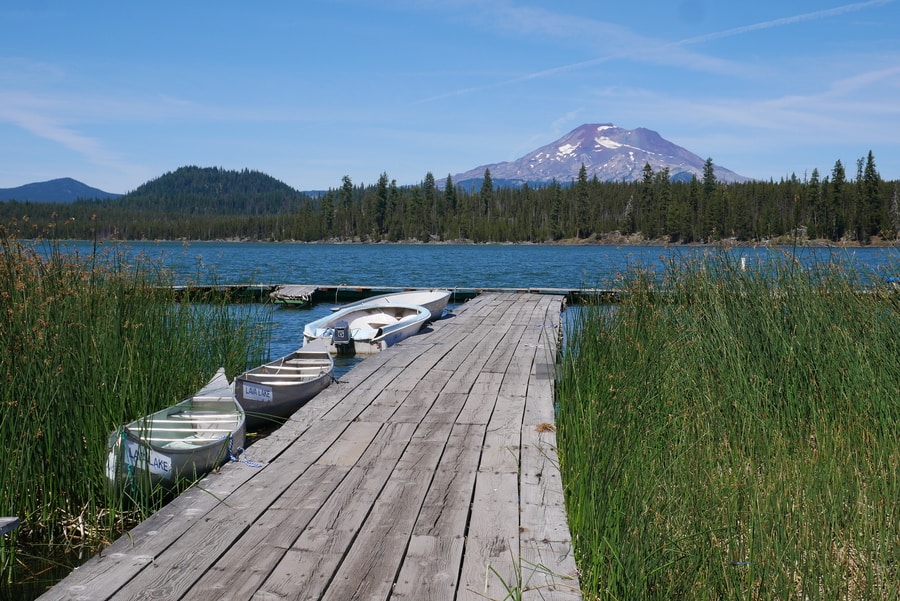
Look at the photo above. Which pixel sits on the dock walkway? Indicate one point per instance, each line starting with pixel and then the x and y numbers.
pixel 429 472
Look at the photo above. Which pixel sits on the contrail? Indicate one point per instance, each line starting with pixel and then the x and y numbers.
pixel 821 14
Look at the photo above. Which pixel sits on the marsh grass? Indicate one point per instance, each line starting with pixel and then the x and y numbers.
pixel 88 343
pixel 731 434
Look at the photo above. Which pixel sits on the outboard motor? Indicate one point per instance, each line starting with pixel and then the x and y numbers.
pixel 341 338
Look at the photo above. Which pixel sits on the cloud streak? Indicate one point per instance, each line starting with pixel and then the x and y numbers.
pixel 640 48
pixel 813 16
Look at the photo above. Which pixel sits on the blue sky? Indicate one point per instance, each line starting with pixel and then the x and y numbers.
pixel 114 94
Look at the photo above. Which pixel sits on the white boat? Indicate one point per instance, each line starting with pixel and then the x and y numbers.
pixel 435 300
pixel 274 391
pixel 366 329
pixel 184 441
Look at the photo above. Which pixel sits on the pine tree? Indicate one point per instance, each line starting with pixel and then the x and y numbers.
pixel 894 212
pixel 381 204
pixel 486 195
pixel 814 202
pixel 838 204
pixel 644 210
pixel 582 204
pixel 871 197
pixel 709 179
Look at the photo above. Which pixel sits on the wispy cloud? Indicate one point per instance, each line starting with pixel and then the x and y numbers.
pixel 813 16
pixel 631 46
pixel 32 114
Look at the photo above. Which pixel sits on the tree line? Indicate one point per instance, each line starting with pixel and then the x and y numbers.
pixel 209 204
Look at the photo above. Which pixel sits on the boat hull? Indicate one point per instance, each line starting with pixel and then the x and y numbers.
pixel 182 442
pixel 434 300
pixel 272 392
pixel 368 328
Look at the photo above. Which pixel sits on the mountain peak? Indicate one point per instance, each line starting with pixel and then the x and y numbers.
pixel 62 190
pixel 607 151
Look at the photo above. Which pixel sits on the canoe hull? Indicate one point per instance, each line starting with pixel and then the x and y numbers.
pixel 434 300
pixel 272 392
pixel 182 442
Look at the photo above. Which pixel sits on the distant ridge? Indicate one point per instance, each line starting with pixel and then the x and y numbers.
pixel 63 190
pixel 608 152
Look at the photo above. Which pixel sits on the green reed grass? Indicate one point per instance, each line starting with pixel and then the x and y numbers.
pixel 88 343
pixel 731 434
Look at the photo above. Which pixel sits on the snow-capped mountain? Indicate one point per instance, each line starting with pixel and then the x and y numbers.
pixel 609 152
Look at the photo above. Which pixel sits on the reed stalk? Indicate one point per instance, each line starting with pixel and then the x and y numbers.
pixel 731 434
pixel 88 343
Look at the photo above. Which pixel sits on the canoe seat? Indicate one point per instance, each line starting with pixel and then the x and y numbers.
pixel 316 362
pixel 191 442
pixel 289 369
pixel 280 378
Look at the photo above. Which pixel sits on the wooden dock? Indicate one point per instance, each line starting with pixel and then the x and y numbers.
pixel 311 294
pixel 429 472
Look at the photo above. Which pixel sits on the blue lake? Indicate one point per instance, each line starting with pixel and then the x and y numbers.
pixel 447 265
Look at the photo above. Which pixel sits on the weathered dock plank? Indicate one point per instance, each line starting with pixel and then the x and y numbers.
pixel 428 472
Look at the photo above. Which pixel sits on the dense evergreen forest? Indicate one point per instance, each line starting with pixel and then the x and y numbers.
pixel 196 203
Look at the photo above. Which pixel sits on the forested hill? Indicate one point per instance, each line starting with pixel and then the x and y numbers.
pixel 214 204
pixel 217 191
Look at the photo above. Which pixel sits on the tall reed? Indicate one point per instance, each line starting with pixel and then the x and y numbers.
pixel 88 343
pixel 732 434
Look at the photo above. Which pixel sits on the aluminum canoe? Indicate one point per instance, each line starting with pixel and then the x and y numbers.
pixel 273 391
pixel 184 441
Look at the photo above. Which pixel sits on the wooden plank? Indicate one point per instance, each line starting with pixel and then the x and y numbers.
pixel 502 440
pixel 307 567
pixel 247 563
pixel 481 399
pixel 432 562
pixel 422 398
pixel 347 450
pixel 548 562
pixel 369 568
pixel 490 562
pixel 363 394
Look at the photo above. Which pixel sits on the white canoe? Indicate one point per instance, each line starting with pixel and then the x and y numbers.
pixel 184 441
pixel 366 329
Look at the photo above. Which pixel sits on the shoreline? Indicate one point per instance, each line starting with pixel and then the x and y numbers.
pixel 609 240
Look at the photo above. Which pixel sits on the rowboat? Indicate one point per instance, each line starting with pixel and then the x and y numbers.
pixel 434 300
pixel 365 328
pixel 184 441
pixel 274 391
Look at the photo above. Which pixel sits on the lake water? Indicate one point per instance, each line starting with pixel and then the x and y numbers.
pixel 445 265
pixel 440 266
